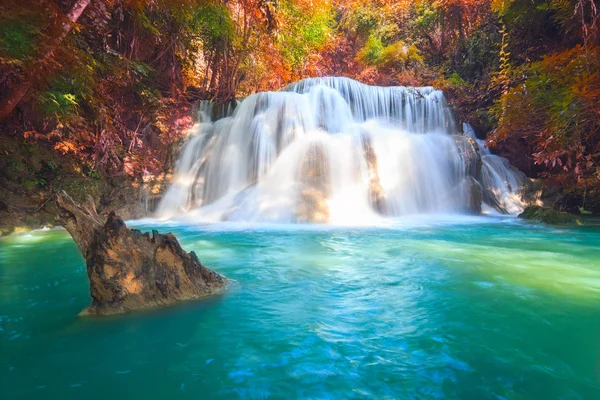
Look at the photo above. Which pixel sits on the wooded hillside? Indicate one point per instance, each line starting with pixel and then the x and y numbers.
pixel 112 83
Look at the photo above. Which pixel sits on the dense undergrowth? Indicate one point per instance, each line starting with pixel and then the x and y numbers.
pixel 112 90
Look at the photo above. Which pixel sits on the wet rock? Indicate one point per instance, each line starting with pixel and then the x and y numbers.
pixel 315 176
pixel 313 207
pixel 199 196
pixel 376 194
pixel 490 198
pixel 548 215
pixel 21 229
pixel 469 152
pixel 475 196
pixel 129 270
pixel 470 186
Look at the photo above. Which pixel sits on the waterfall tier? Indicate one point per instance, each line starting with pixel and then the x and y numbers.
pixel 338 151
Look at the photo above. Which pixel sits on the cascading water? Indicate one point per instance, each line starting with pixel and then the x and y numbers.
pixel 334 150
pixel 502 183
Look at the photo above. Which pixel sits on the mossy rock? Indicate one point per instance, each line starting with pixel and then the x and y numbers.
pixel 548 215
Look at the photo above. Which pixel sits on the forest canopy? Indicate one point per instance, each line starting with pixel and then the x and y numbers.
pixel 111 82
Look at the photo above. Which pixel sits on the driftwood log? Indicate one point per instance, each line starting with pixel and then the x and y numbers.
pixel 129 270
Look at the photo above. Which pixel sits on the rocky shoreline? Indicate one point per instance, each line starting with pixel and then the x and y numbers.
pixel 128 198
pixel 31 175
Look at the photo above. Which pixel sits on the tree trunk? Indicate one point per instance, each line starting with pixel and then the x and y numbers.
pixel 129 270
pixel 8 104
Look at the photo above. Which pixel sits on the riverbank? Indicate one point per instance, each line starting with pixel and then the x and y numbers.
pixel 32 172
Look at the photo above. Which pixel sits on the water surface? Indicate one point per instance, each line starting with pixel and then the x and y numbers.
pixel 477 308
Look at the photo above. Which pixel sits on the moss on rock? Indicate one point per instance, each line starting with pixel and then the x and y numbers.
pixel 548 215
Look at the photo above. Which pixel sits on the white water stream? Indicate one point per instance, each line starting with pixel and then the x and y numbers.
pixel 333 150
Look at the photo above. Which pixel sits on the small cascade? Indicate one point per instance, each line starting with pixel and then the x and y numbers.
pixel 333 150
pixel 417 110
pixel 502 183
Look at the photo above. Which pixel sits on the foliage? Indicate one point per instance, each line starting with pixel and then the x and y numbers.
pixel 560 97
pixel 212 24
pixel 401 55
pixel 371 52
pixel 116 91
pixel 303 30
pixel 396 55
pixel 18 39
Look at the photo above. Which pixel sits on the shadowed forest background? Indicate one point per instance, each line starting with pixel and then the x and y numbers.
pixel 97 95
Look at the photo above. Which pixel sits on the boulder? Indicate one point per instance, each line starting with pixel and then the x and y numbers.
pixel 377 195
pixel 548 215
pixel 129 270
pixel 314 190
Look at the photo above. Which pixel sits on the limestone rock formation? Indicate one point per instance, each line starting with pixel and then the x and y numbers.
pixel 315 173
pixel 129 270
pixel 473 188
pixel 469 152
pixel 376 193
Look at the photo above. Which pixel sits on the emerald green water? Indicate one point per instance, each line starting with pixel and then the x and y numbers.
pixel 466 309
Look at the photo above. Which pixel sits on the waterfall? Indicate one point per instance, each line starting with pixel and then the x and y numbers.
pixel 333 150
pixel 502 183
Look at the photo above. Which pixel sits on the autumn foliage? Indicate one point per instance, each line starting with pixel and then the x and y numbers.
pixel 556 107
pixel 553 102
pixel 117 91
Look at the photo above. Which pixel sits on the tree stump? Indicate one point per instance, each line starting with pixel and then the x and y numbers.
pixel 129 270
